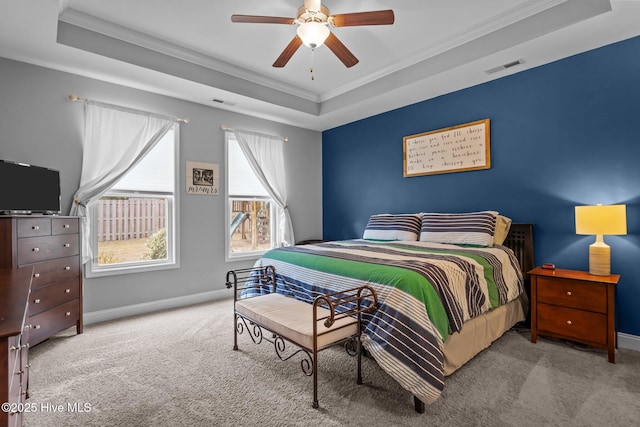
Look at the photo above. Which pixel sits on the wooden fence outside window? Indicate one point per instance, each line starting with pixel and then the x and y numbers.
pixel 130 218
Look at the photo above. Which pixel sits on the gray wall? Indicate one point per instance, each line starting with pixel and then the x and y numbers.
pixel 39 125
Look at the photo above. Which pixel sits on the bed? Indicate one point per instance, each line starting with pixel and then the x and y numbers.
pixel 440 304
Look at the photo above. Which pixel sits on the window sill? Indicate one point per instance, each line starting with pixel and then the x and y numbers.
pixel 129 269
pixel 246 256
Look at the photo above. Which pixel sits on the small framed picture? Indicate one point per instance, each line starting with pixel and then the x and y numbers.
pixel 202 178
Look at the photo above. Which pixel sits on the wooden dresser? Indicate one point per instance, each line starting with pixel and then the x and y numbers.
pixel 574 305
pixel 51 246
pixel 15 285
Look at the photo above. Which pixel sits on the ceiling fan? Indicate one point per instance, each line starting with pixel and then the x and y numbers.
pixel 313 22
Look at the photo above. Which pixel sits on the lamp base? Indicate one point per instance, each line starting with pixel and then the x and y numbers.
pixel 600 259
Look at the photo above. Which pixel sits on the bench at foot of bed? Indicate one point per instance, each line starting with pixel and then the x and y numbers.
pixel 331 318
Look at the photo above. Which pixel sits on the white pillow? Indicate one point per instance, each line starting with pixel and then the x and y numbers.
pixel 393 227
pixel 473 228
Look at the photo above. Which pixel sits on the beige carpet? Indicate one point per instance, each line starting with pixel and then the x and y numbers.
pixel 176 368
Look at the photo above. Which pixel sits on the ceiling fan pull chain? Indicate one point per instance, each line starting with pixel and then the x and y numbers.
pixel 311 68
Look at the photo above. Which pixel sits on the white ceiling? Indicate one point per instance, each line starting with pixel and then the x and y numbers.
pixel 191 50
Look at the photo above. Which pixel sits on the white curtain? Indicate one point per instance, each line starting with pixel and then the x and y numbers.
pixel 115 140
pixel 265 155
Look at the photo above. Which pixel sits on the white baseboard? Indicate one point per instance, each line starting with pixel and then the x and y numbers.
pixel 632 342
pixel 148 307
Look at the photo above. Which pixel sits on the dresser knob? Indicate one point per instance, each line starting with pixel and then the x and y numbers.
pixel 66 245
pixel 67 268
pixel 568 322
pixel 67 291
pixel 36 249
pixel 569 293
pixel 35 227
pixel 14 348
pixel 36 327
pixel 68 313
pixel 36 275
pixel 65 226
pixel 36 301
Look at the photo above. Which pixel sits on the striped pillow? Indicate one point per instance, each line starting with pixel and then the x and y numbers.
pixel 474 228
pixel 393 227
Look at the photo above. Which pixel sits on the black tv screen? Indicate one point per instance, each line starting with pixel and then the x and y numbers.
pixel 28 189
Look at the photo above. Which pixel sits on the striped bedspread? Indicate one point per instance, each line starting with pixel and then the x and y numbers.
pixel 426 291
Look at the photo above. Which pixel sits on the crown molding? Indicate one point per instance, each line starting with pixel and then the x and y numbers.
pixel 101 26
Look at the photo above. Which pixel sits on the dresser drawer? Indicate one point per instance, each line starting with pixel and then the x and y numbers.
pixel 34 249
pixel 13 373
pixel 57 319
pixel 584 326
pixel 46 297
pixel 64 226
pixel 56 270
pixel 573 293
pixel 36 226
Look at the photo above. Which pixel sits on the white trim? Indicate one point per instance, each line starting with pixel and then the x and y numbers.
pixel 149 307
pixel 631 342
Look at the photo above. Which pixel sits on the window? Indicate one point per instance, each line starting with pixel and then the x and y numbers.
pixel 250 213
pixel 134 224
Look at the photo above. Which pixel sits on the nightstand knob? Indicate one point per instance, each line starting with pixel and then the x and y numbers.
pixel 569 293
pixel 568 322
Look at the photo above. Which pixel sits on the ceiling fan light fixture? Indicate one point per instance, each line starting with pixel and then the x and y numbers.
pixel 313 33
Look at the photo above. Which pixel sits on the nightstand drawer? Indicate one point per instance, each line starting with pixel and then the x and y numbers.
pixel 573 293
pixel 580 325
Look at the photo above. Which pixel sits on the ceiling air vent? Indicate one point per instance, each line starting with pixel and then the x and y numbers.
pixel 222 101
pixel 504 66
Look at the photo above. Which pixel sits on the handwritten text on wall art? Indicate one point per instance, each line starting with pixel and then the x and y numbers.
pixel 454 149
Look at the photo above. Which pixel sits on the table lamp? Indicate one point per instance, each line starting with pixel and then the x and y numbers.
pixel 601 220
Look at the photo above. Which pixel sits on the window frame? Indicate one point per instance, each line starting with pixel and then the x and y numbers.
pixel 93 269
pixel 248 255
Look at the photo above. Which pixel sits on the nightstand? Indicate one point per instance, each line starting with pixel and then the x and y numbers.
pixel 574 305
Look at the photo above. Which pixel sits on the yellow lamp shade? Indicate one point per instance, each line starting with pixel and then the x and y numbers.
pixel 601 220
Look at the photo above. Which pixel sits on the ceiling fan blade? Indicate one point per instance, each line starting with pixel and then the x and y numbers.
pixel 341 51
pixel 253 19
pixel 376 17
pixel 288 52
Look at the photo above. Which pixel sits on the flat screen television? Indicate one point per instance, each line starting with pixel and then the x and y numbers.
pixel 28 189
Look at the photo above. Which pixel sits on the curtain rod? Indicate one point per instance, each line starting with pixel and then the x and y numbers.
pixel 77 98
pixel 230 129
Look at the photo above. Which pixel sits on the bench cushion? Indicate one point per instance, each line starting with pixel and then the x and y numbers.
pixel 293 319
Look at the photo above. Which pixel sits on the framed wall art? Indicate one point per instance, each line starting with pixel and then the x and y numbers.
pixel 203 178
pixel 458 148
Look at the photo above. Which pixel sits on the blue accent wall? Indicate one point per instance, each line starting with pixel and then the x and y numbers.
pixel 563 134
